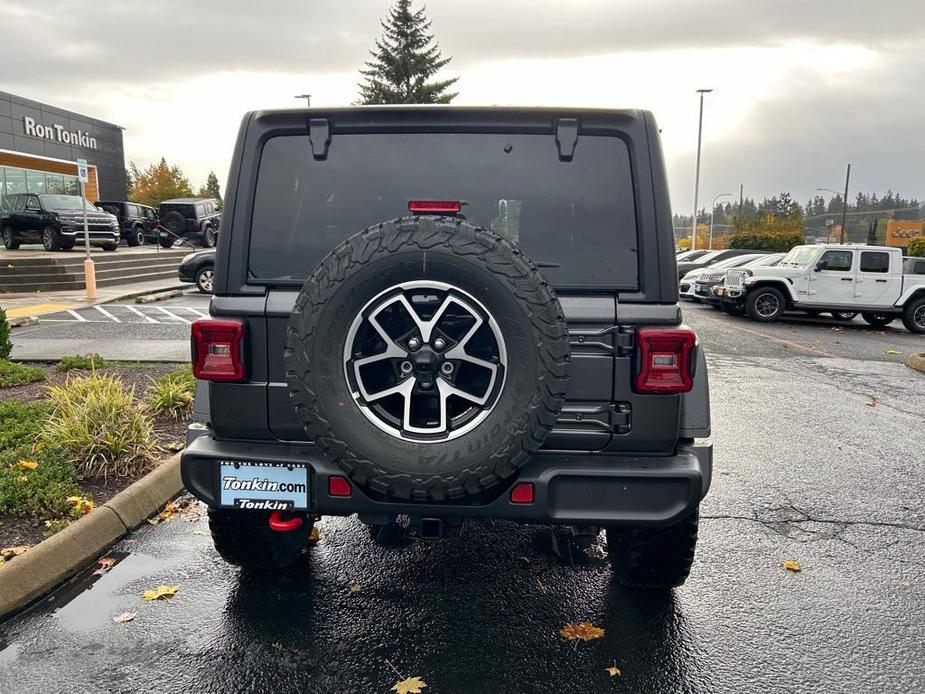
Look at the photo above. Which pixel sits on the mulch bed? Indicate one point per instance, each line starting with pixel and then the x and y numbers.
pixel 16 530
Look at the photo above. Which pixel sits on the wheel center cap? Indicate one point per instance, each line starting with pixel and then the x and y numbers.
pixel 426 361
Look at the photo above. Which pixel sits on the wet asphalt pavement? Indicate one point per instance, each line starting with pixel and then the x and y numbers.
pixel 820 458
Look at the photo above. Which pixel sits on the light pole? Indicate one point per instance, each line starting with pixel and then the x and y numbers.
pixel 844 202
pixel 713 213
pixel 307 97
pixel 697 169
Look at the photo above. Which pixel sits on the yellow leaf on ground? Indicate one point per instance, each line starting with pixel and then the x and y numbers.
pixel 8 553
pixel 160 593
pixel 355 588
pixel 27 464
pixel 583 631
pixel 314 536
pixel 411 685
pixel 791 565
pixel 124 617
pixel 892 351
pixel 613 670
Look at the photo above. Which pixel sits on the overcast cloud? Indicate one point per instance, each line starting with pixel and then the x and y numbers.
pixel 802 86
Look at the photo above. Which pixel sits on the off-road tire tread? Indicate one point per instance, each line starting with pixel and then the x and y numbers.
pixel 500 258
pixel 244 538
pixel 909 312
pixel 653 558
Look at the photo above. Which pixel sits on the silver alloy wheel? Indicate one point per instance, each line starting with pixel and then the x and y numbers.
pixel 205 279
pixel 427 404
pixel 918 316
pixel 767 305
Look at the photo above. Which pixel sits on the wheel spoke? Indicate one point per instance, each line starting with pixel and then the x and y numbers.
pixel 426 327
pixel 404 389
pixel 447 389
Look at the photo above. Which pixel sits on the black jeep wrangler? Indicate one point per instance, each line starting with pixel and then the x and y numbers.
pixel 189 218
pixel 428 314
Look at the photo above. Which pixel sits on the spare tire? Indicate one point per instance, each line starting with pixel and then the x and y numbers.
pixel 175 222
pixel 427 357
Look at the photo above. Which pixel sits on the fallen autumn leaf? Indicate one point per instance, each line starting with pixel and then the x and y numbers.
pixel 581 631
pixel 105 564
pixel 162 592
pixel 124 617
pixel 613 670
pixel 410 685
pixel 791 565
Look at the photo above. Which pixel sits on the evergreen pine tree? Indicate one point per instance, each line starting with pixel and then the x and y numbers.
pixel 405 58
pixel 212 187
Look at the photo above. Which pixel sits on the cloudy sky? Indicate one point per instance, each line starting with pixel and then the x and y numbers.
pixel 801 86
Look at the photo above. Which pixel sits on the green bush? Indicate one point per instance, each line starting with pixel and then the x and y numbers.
pixel 21 422
pixel 763 241
pixel 916 248
pixel 83 362
pixel 99 427
pixel 12 374
pixel 36 483
pixel 172 393
pixel 5 345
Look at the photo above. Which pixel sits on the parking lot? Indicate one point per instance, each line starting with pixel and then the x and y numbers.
pixel 818 430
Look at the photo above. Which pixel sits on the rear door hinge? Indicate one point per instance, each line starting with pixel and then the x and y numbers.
pixel 566 137
pixel 319 134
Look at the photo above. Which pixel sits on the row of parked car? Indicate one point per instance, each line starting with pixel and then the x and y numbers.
pixel 57 222
pixel 843 280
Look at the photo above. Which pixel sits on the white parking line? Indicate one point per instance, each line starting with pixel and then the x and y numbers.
pixel 172 315
pixel 107 314
pixel 143 315
pixel 77 316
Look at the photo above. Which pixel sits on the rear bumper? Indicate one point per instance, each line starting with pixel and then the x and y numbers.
pixel 590 489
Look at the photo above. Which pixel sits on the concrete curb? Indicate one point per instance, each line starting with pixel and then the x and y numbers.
pixel 53 561
pixel 22 321
pixel 159 295
pixel 917 362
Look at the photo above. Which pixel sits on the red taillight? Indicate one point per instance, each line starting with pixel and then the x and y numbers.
pixel 195 224
pixel 339 486
pixel 218 350
pixel 435 206
pixel 665 360
pixel 522 493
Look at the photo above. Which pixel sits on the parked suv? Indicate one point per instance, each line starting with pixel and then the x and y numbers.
pixel 195 218
pixel 55 221
pixel 430 314
pixel 137 222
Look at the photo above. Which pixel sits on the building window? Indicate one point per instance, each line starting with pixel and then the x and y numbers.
pixel 15 181
pixel 54 184
pixel 35 182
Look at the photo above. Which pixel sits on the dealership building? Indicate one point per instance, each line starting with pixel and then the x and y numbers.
pixel 40 145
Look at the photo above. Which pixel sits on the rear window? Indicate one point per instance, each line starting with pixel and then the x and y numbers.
pixel 185 210
pixel 577 215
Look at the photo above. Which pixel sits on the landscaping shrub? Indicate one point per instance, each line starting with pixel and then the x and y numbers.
pixel 12 374
pixel 172 393
pixel 5 345
pixel 765 241
pixel 36 483
pixel 916 248
pixel 99 426
pixel 83 362
pixel 20 423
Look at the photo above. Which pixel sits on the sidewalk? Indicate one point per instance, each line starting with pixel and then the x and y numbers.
pixel 20 306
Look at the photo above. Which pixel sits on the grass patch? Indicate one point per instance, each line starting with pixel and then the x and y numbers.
pixel 99 427
pixel 82 362
pixel 12 374
pixel 36 483
pixel 20 423
pixel 172 393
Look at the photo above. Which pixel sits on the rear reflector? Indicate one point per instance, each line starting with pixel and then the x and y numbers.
pixel 218 349
pixel 522 493
pixel 665 360
pixel 339 486
pixel 435 206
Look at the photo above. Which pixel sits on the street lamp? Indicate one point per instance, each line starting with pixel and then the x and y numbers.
pixel 713 213
pixel 844 202
pixel 307 97
pixel 697 169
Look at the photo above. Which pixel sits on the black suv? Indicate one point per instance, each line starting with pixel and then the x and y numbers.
pixel 138 222
pixel 428 314
pixel 196 218
pixel 55 221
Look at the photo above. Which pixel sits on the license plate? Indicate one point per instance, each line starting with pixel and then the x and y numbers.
pixel 263 486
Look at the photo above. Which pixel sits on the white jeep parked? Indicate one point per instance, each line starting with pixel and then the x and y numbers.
pixel 838 278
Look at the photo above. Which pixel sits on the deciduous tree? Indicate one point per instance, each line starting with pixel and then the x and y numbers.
pixel 158 182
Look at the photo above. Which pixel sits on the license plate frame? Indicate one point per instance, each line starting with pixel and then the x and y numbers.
pixel 263 486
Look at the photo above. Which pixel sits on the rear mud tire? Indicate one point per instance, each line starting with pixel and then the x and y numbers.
pixel 473 260
pixel 244 538
pixel 653 558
